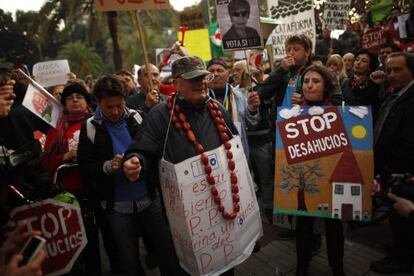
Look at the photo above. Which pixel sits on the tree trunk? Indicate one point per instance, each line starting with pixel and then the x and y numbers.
pixel 113 30
pixel 301 200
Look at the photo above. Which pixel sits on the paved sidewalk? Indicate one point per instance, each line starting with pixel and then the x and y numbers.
pixel 363 245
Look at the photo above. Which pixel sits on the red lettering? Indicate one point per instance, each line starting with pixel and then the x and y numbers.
pixel 205 261
pixel 194 222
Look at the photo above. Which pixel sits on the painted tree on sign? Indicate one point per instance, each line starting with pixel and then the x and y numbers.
pixel 303 178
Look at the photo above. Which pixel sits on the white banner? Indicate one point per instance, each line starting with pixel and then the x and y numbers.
pixel 336 14
pixel 296 18
pixel 205 242
pixel 50 73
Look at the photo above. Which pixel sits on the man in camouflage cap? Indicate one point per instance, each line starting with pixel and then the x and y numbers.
pixel 190 79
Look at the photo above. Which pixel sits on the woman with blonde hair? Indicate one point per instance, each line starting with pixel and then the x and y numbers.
pixel 336 66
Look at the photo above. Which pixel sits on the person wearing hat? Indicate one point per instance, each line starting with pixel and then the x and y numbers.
pixel 61 147
pixel 193 104
pixel 242 110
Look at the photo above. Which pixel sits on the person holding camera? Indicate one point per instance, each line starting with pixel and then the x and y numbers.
pixel 394 154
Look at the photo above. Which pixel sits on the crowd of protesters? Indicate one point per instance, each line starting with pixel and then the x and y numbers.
pixel 116 130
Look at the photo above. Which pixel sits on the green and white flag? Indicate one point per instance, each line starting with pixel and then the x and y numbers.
pixel 216 41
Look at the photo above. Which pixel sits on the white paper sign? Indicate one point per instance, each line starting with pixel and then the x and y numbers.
pixel 205 242
pixel 240 25
pixel 42 104
pixel 336 13
pixel 402 19
pixel 50 73
pixel 297 18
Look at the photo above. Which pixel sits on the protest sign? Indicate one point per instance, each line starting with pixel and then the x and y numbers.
pixel 298 18
pixel 205 242
pixel 50 73
pixel 239 22
pixel 197 43
pixel 159 56
pixel 192 18
pixel 324 162
pixel 117 5
pixel 42 104
pixel 374 39
pixel 61 225
pixel 336 13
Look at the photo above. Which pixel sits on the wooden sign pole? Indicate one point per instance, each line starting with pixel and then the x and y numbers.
pixel 144 49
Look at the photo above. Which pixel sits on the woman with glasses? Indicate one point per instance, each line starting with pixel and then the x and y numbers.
pixel 61 147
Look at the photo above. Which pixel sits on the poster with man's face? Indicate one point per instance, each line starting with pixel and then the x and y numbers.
pixel 239 24
pixel 42 105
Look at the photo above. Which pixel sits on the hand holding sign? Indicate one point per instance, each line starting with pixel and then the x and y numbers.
pixel 253 101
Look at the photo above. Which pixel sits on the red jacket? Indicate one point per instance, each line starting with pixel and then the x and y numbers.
pixel 71 178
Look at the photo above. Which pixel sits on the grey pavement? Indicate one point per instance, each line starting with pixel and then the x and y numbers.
pixel 364 244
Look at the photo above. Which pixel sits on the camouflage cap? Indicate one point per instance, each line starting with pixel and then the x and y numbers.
pixel 188 67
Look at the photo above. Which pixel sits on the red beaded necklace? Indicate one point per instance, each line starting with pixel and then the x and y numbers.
pixel 179 120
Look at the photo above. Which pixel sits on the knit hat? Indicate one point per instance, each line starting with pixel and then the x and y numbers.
pixel 75 88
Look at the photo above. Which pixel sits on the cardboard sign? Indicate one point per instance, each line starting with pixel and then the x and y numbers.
pixel 324 162
pixel 192 18
pixel 298 18
pixel 159 55
pixel 122 5
pixel 42 104
pixel 374 39
pixel 309 137
pixel 61 225
pixel 50 73
pixel 336 13
pixel 205 242
pixel 239 26
pixel 197 43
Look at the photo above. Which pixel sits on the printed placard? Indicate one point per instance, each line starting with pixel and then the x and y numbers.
pixel 374 39
pixel 324 162
pixel 205 242
pixel 239 22
pixel 42 104
pixel 118 5
pixel 298 18
pixel 50 73
pixel 336 13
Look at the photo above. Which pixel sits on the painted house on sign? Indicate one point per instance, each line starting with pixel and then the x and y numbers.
pixel 346 183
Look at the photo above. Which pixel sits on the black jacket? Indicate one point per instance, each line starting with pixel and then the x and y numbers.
pixel 149 145
pixel 17 128
pixel 92 156
pixel 394 150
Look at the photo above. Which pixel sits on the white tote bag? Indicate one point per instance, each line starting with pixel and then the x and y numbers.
pixel 205 242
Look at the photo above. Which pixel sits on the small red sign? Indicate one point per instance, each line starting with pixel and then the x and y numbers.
pixel 61 225
pixel 374 39
pixel 311 137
